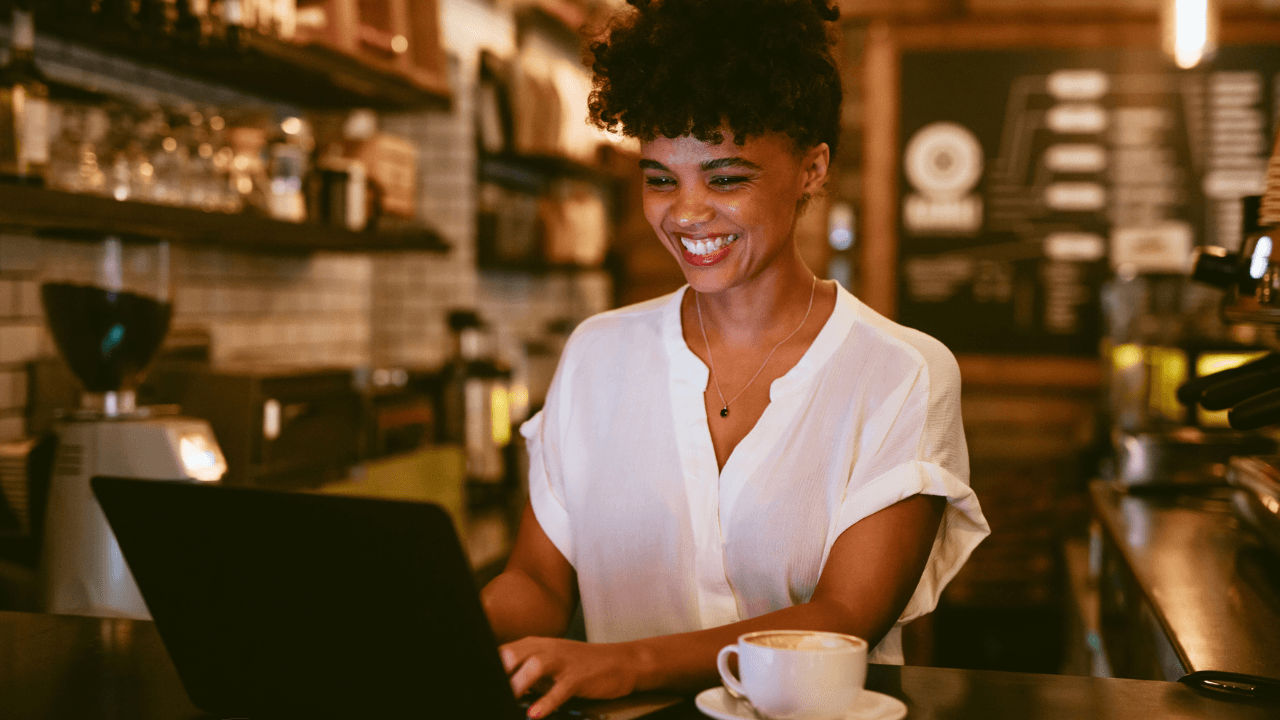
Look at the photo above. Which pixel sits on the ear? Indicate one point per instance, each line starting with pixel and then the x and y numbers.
pixel 813 168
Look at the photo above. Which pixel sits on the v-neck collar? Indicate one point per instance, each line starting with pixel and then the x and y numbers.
pixel 688 368
pixel 711 492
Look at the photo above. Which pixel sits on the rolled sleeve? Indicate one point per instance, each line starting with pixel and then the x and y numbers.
pixel 548 507
pixel 963 525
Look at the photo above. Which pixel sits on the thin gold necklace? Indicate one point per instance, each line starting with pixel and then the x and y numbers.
pixel 724 411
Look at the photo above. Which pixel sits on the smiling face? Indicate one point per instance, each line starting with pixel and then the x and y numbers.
pixel 727 212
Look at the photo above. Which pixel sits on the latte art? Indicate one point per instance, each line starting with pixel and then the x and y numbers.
pixel 802 641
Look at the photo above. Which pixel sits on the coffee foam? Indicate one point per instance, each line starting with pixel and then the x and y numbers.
pixel 801 641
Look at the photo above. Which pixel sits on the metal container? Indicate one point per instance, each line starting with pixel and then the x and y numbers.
pixel 1187 456
pixel 1257 497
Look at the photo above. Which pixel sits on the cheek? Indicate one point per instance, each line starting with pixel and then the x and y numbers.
pixel 655 209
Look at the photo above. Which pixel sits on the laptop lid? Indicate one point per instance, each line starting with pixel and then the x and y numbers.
pixel 276 604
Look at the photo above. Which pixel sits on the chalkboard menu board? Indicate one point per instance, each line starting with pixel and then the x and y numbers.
pixel 1030 176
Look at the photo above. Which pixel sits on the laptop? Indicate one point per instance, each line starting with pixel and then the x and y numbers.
pixel 282 605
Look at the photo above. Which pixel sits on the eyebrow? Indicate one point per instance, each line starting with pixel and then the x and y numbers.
pixel 718 163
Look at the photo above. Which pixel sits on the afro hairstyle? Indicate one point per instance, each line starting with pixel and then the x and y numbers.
pixel 669 68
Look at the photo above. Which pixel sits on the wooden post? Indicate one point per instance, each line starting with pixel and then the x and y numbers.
pixel 878 266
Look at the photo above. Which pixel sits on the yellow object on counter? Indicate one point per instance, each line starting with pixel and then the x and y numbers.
pixel 434 474
pixel 1209 363
pixel 1167 372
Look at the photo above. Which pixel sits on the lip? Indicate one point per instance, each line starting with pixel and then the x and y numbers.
pixel 704 260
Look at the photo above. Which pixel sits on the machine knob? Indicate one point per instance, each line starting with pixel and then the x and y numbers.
pixel 1217 267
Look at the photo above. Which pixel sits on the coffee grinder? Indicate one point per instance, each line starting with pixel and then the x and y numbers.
pixel 108 310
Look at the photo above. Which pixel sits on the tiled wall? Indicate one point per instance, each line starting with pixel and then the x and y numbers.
pixel 306 310
pixel 322 309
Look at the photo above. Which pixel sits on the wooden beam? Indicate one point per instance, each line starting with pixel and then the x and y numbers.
pixel 878 263
pixel 1030 371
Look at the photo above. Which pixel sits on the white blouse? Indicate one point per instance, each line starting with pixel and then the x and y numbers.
pixel 623 476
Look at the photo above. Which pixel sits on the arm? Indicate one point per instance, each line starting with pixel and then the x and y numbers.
pixel 873 569
pixel 537 592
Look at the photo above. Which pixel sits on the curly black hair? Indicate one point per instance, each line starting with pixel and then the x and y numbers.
pixel 669 68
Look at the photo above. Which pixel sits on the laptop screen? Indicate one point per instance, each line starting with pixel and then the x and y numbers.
pixel 275 604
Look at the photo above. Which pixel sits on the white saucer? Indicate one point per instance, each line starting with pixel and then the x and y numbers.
pixel 719 704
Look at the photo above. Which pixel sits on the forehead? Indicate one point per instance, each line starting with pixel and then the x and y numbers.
pixel 764 149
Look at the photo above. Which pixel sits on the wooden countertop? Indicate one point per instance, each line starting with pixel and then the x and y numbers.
pixel 1211 584
pixel 55 667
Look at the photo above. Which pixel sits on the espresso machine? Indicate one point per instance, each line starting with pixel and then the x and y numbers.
pixel 1249 393
pixel 107 308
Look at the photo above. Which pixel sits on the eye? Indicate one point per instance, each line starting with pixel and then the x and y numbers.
pixel 659 181
pixel 726 181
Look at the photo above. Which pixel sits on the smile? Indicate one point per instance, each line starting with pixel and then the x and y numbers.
pixel 706 246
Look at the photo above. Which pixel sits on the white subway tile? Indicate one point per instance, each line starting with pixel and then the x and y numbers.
pixel 29 300
pixel 20 388
pixel 12 427
pixel 7 386
pixel 19 343
pixel 20 253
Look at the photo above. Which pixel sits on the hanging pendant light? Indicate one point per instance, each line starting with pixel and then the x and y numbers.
pixel 1189 29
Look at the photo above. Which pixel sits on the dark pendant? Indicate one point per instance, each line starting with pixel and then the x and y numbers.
pixel 724 412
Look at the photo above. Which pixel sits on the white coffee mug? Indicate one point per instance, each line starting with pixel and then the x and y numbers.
pixel 796 674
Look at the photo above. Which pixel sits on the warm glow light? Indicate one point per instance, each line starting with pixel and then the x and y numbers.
pixel 291 125
pixel 1168 373
pixel 500 412
pixel 1126 356
pixel 1191 31
pixel 201 458
pixel 399 43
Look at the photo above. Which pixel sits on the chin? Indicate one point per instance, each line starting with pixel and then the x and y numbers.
pixel 708 282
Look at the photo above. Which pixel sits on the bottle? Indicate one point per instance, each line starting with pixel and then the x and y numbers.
pixel 117 18
pixel 475 405
pixel 193 25
pixel 24 109
pixel 157 19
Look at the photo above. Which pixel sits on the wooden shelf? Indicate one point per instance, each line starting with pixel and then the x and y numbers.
pixel 55 213
pixel 535 172
pixel 312 75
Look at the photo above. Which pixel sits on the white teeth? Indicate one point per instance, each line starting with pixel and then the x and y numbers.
pixel 703 247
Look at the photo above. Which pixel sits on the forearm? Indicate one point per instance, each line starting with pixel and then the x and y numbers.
pixel 518 606
pixel 871 573
pixel 687 661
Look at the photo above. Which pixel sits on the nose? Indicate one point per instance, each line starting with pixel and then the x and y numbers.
pixel 691 206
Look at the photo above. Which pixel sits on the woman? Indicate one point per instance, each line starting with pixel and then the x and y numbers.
pixel 758 450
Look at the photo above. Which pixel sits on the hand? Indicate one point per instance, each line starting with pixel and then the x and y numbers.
pixel 571 668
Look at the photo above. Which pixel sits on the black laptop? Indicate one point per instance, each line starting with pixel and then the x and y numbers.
pixel 291 605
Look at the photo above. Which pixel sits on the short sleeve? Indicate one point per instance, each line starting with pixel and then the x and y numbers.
pixel 914 445
pixel 546 479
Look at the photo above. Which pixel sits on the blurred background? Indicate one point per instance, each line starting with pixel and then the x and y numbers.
pixel 357 233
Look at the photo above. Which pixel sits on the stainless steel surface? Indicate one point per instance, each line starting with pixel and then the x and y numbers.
pixel 1212 586
pixel 1185 456
pixel 1257 499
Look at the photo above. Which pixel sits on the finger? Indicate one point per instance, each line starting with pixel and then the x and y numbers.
pixel 555 697
pixel 514 653
pixel 530 671
pixel 510 657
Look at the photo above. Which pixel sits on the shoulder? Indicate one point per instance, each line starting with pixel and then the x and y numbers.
pixel 621 329
pixel 899 350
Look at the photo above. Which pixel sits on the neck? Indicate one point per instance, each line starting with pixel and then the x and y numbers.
pixel 767 308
